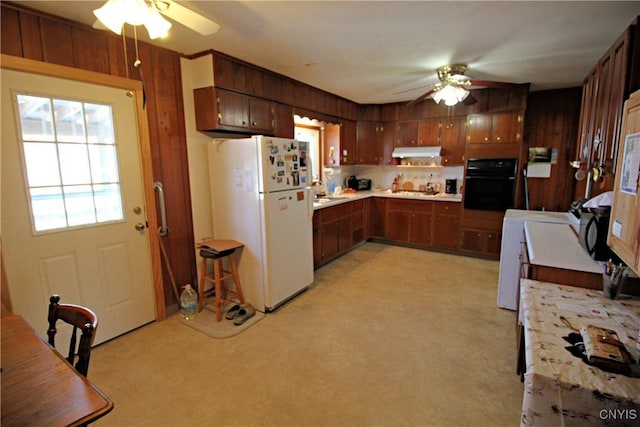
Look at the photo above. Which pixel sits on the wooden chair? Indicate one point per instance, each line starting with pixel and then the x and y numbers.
pixel 80 318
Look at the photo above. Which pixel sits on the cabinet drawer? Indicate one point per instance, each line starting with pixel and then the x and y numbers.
pixel 451 208
pixel 335 212
pixel 410 205
pixel 358 205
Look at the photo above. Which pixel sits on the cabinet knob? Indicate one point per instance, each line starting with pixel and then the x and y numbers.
pixel 498 138
pixel 486 138
pixel 254 124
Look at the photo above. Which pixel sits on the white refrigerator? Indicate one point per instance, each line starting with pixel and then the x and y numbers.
pixel 260 188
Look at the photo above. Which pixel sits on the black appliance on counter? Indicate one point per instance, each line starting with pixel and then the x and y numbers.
pixel 489 184
pixel 451 186
pixel 594 227
pixel 358 184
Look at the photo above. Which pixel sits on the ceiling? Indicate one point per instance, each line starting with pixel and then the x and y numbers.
pixel 388 51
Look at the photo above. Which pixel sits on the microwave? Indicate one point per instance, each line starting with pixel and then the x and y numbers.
pixel 594 227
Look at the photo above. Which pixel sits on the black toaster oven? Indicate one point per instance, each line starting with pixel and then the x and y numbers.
pixel 359 184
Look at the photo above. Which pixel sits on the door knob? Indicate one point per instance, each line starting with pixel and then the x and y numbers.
pixel 140 226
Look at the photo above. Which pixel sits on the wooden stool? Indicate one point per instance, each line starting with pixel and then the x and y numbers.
pixel 217 251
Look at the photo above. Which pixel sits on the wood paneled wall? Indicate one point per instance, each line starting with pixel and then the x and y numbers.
pixel 552 121
pixel 33 35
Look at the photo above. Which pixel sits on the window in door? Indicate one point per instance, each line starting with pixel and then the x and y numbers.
pixel 70 161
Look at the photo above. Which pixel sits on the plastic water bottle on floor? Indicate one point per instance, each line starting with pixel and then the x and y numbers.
pixel 188 303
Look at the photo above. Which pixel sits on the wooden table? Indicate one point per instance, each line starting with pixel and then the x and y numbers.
pixel 39 387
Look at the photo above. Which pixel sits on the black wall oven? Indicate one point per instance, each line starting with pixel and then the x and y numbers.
pixel 489 184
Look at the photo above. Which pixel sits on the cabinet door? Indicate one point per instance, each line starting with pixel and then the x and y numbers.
pixel 386 143
pixel 285 127
pixel 367 137
pixel 589 89
pixel 345 236
pixel 479 128
pixel 317 239
pixel 397 226
pixel 471 240
pixel 233 109
pixel 445 231
pixel 506 127
pixel 624 228
pixel 261 114
pixel 376 217
pixel 407 134
pixel 329 240
pixel 348 143
pixel 420 228
pixel 616 99
pixel 480 241
pixel 453 141
pixel 429 132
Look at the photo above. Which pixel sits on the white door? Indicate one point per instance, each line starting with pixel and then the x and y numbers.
pixel 72 197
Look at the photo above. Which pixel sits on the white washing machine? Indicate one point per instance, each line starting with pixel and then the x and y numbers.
pixel 512 237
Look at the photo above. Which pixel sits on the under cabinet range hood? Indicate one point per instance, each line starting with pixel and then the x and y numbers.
pixel 416 151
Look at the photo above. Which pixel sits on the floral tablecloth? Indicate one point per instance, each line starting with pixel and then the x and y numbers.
pixel 560 389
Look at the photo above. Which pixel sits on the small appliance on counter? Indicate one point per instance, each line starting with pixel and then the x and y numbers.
pixel 358 184
pixel 451 186
pixel 594 226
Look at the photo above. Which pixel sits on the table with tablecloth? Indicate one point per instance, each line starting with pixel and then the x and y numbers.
pixel 560 389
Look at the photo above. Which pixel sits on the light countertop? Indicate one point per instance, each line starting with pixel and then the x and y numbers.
pixel 358 195
pixel 556 245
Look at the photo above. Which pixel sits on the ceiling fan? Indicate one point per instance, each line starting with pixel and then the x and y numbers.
pixel 115 13
pixel 454 86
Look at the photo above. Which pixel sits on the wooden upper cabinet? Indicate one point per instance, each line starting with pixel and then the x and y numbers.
pixel 261 114
pixel 407 133
pixel 452 140
pixel 605 88
pixel 479 128
pixel 233 109
pixel 429 132
pixel 220 109
pixel 386 144
pixel 368 142
pixel 507 127
pixel 494 128
pixel 285 126
pixel 348 144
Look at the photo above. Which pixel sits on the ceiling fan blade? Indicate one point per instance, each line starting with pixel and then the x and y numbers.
pixel 421 97
pixel 487 83
pixel 470 100
pixel 189 18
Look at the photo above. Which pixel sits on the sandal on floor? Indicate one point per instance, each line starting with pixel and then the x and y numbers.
pixel 244 314
pixel 233 311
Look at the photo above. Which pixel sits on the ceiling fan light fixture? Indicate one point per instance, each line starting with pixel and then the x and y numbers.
pixel 115 13
pixel 110 14
pixel 156 25
pixel 450 94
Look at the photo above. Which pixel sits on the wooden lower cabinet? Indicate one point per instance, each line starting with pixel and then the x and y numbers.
pixel 445 225
pixel 486 242
pixel 336 229
pixel 409 221
pixel 358 221
pixel 376 217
